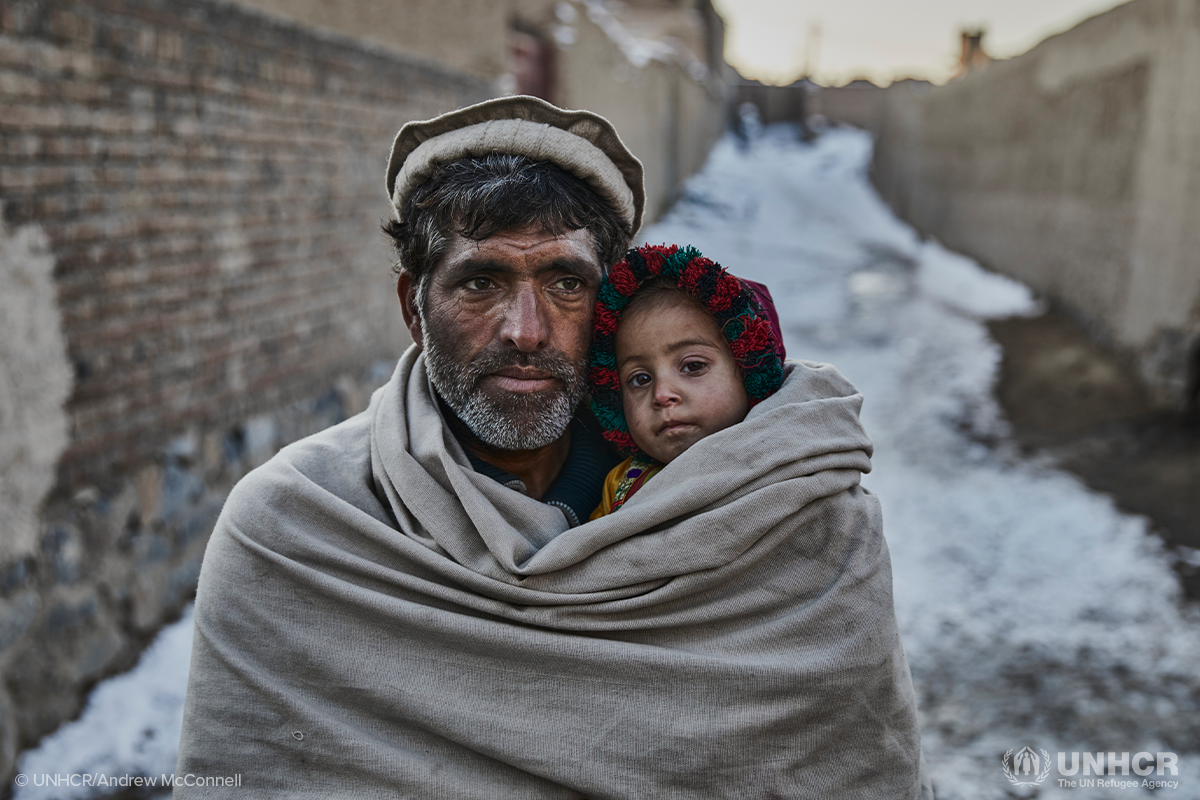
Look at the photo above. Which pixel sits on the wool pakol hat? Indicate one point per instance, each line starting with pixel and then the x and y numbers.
pixel 583 144
pixel 743 310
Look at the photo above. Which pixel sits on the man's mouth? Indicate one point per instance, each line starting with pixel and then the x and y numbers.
pixel 522 380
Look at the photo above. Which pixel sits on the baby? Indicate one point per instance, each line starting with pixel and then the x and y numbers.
pixel 681 349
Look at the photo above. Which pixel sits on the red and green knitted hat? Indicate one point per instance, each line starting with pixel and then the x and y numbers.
pixel 751 331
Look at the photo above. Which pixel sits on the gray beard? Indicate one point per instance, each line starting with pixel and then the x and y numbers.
pixel 509 421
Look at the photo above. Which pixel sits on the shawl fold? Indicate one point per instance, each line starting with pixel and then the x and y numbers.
pixel 376 619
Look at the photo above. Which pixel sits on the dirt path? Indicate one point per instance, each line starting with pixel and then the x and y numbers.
pixel 1068 397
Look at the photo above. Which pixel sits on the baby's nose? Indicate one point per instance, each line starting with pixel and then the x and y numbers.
pixel 665 394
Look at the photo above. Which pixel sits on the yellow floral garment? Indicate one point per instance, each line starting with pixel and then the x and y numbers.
pixel 623 481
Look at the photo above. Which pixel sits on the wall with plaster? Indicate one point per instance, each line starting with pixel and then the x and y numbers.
pixel 1075 167
pixel 35 381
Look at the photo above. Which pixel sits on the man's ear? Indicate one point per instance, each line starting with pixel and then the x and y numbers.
pixel 406 290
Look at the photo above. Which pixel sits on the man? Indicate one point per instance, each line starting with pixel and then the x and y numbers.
pixel 406 605
pixel 512 248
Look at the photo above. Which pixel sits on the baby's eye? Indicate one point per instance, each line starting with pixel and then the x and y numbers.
pixel 479 284
pixel 638 380
pixel 694 366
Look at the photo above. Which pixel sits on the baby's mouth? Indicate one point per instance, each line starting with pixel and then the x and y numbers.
pixel 674 425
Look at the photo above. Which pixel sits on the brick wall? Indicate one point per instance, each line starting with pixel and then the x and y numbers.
pixel 211 185
pixel 191 196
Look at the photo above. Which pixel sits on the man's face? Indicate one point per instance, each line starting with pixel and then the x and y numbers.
pixel 506 324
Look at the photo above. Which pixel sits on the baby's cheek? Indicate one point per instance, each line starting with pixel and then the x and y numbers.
pixel 634 415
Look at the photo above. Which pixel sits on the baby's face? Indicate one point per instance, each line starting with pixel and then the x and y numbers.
pixel 679 381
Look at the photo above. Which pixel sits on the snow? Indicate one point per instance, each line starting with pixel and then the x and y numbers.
pixel 638 51
pixel 1032 610
pixel 130 726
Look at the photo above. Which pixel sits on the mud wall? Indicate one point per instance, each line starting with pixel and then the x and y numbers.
pixel 859 103
pixel 191 275
pixel 1076 168
pixel 460 34
pixel 775 103
pixel 656 71
pixel 668 109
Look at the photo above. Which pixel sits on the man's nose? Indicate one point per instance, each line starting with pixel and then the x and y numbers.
pixel 525 325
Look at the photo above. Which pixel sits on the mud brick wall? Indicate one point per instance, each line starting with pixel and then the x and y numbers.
pixel 211 184
pixel 192 276
pixel 1076 168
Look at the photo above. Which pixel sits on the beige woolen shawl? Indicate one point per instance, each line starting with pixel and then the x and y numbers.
pixel 376 619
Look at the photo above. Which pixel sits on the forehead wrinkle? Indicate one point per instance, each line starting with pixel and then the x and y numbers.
pixel 530 245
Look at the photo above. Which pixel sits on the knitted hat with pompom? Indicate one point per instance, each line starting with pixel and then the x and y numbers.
pixel 738 306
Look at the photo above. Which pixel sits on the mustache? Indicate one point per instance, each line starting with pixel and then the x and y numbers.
pixel 553 363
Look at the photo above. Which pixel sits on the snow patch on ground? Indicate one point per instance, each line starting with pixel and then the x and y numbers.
pixel 1033 612
pixel 130 726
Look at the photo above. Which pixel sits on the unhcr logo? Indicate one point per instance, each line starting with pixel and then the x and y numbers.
pixel 1031 767
pixel 1034 766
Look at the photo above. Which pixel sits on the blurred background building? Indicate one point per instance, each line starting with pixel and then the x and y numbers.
pixel 1076 168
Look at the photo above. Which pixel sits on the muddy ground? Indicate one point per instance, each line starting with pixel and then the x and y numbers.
pixel 1068 397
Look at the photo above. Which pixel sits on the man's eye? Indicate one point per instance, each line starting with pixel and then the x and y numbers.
pixel 479 284
pixel 639 380
pixel 570 284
